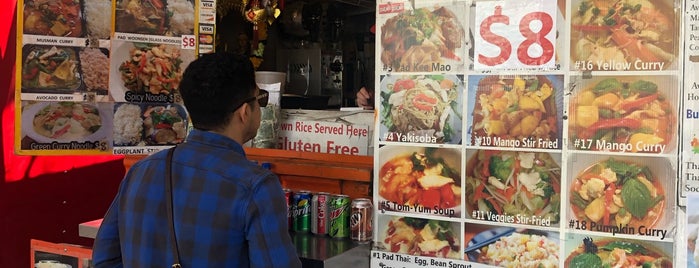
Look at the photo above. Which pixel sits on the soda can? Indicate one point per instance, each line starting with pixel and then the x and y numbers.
pixel 319 213
pixel 289 206
pixel 301 214
pixel 361 220
pixel 338 220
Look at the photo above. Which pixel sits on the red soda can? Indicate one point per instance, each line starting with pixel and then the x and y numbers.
pixel 287 195
pixel 319 213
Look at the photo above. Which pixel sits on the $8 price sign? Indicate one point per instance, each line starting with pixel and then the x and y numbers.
pixel 188 42
pixel 515 34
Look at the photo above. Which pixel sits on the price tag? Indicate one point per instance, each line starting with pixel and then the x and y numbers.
pixel 189 42
pixel 515 34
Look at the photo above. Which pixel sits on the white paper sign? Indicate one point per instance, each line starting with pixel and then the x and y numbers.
pixel 323 137
pixel 515 35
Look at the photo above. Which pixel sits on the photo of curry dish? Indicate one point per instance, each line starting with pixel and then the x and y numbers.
pixel 622 114
pixel 626 34
pixel 422 106
pixel 422 37
pixel 605 252
pixel 513 108
pixel 616 192
pixel 53 18
pixel 420 237
pixel 67 121
pixel 512 183
pixel 152 68
pixel 413 176
pixel 50 69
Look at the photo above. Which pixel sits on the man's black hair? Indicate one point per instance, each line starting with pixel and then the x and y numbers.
pixel 213 85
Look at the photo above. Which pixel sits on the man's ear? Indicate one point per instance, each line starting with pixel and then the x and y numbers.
pixel 243 113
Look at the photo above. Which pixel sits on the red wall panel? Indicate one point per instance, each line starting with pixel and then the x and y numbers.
pixel 43 197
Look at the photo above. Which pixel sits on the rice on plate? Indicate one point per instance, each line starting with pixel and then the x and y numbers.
pixel 182 19
pixel 98 19
pixel 128 125
pixel 92 64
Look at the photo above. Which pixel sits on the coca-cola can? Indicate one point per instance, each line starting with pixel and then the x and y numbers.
pixel 361 220
pixel 288 196
pixel 319 213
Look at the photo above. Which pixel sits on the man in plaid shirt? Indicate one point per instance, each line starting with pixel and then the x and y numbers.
pixel 228 212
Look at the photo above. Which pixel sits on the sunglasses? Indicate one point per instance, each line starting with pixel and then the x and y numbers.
pixel 262 99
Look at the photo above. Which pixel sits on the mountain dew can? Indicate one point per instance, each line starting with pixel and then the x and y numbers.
pixel 301 214
pixel 338 218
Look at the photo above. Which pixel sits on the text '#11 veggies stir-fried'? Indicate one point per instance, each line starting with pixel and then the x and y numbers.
pixel 504 182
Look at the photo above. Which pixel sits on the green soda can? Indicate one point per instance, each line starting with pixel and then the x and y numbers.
pixel 301 213
pixel 338 218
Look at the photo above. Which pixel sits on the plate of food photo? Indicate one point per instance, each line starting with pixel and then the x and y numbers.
pixel 511 247
pixel 419 237
pixel 149 124
pixel 147 68
pixel 53 18
pixel 510 108
pixel 637 35
pixel 622 191
pixel 514 183
pixel 47 122
pixel 421 108
pixel 426 179
pixel 629 113
pixel 416 40
pixel 616 252
pixel 155 17
pixel 50 69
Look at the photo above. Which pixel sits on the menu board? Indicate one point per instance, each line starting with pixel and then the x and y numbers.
pixel 529 134
pixel 102 76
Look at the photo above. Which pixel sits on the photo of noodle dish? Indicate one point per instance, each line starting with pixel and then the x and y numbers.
pixel 147 72
pixel 522 186
pixel 419 237
pixel 622 195
pixel 50 69
pixel 46 122
pixel 420 180
pixel 426 39
pixel 589 251
pixel 624 35
pixel 155 17
pixel 519 111
pixel 421 108
pixel 626 114
pixel 512 248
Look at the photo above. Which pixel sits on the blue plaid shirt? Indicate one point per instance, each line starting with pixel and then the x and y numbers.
pixel 228 211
